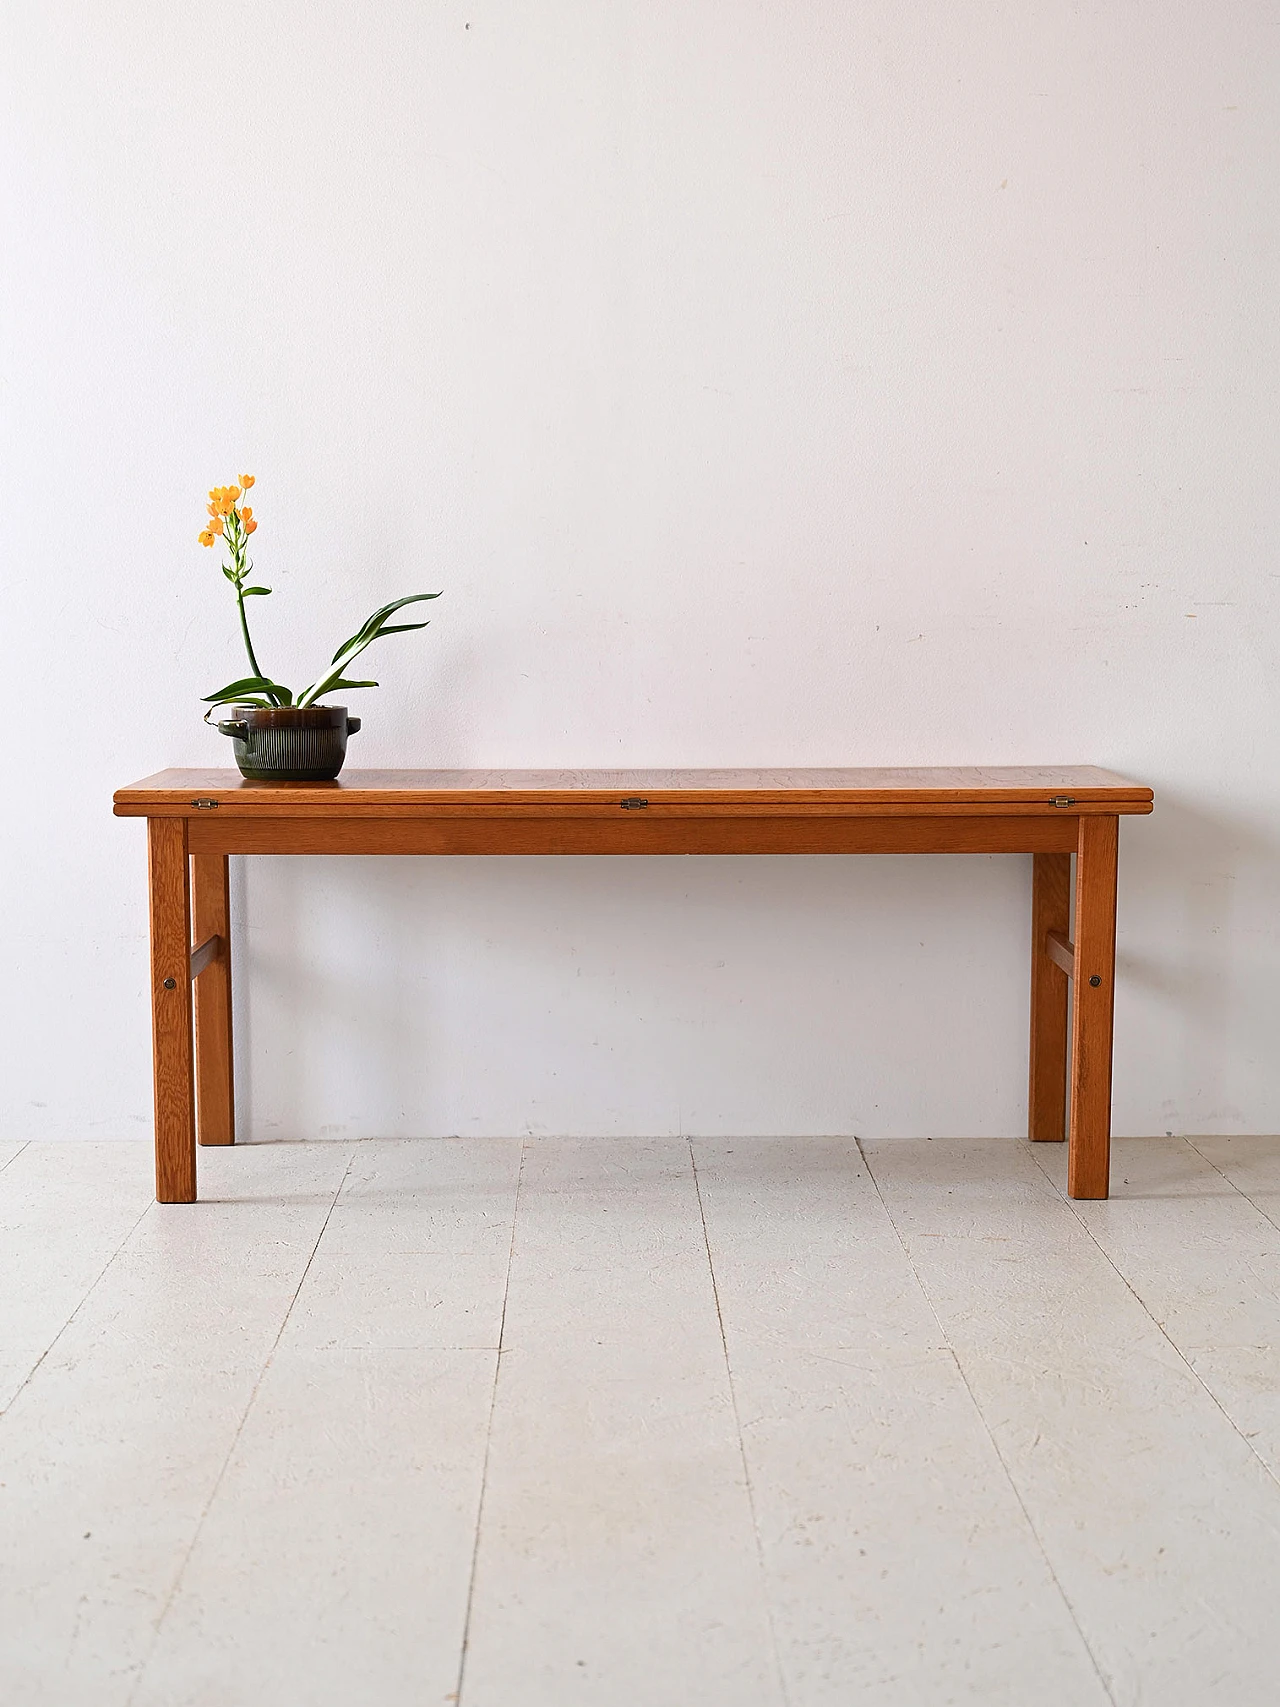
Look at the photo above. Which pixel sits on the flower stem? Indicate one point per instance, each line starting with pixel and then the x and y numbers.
pixel 244 629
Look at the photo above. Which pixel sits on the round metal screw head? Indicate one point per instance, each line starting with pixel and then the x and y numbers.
pixel 171 983
pixel 1095 980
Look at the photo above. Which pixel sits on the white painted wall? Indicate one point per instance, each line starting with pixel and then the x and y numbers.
pixel 786 383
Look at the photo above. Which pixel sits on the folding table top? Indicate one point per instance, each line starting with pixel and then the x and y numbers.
pixel 893 791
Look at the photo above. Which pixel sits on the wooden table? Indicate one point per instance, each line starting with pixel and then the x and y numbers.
pixel 197 818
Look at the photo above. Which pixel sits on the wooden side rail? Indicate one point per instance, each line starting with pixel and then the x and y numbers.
pixel 211 999
pixel 210 949
pixel 1062 951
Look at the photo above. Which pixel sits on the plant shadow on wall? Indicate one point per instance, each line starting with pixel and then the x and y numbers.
pixel 632 996
pixel 1219 877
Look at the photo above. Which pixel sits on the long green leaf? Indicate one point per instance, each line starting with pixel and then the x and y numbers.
pixel 372 630
pixel 312 694
pixel 356 645
pixel 261 592
pixel 373 623
pixel 327 684
pixel 248 686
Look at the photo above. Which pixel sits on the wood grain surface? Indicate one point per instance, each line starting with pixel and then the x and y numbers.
pixel 211 917
pixel 633 834
pixel 1093 998
pixel 967 791
pixel 1047 1081
pixel 171 1011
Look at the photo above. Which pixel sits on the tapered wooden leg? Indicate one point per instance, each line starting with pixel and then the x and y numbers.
pixel 1089 1158
pixel 171 1010
pixel 211 917
pixel 1050 911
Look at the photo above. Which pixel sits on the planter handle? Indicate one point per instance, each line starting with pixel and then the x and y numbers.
pixel 353 725
pixel 237 728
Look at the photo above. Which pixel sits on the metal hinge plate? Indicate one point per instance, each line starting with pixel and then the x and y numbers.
pixel 1062 800
pixel 634 803
pixel 204 805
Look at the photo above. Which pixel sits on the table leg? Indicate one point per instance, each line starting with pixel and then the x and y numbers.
pixel 211 917
pixel 1050 911
pixel 1089 1157
pixel 171 1010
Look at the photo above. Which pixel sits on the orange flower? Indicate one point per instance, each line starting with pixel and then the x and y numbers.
pixel 206 538
pixel 222 504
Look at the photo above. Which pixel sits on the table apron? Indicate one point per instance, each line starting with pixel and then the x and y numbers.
pixel 210 833
pixel 347 804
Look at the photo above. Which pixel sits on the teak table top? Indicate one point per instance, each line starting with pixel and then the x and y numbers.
pixel 961 790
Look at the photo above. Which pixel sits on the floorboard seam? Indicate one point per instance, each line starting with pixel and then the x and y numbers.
pixel 235 1438
pixel 1269 1219
pixel 995 1444
pixel 93 1287
pixel 488 1436
pixel 1163 1331
pixel 742 1445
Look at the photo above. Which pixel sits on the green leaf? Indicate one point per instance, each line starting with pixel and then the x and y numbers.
pixel 229 573
pixel 326 684
pixel 236 699
pixel 246 685
pixel 370 628
pixel 249 592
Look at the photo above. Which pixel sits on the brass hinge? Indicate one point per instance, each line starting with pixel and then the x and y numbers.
pixel 1062 800
pixel 634 802
pixel 204 805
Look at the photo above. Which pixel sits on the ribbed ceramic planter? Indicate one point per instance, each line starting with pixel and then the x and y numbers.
pixel 289 743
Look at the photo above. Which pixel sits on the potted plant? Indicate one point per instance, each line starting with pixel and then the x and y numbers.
pixel 277 735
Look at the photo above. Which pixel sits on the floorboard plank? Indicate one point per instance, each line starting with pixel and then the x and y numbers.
pixel 1206 1264
pixel 65 1210
pixel 110 1453
pixel 617 1559
pixel 900 1566
pixel 1162 1526
pixel 1251 1163
pixel 332 1567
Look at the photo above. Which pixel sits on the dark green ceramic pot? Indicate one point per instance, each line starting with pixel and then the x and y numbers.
pixel 289 743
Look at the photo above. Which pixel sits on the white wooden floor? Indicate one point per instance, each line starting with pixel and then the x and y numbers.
pixel 733 1422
